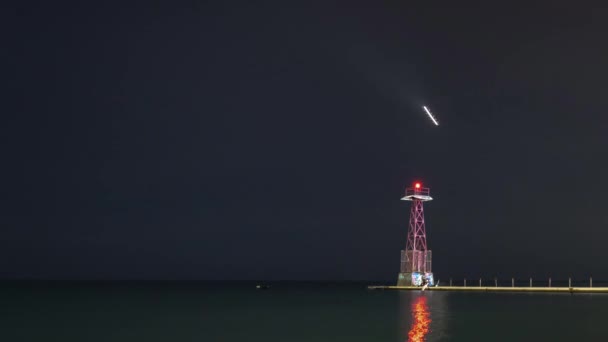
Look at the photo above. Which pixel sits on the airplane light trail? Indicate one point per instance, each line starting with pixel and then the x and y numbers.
pixel 430 115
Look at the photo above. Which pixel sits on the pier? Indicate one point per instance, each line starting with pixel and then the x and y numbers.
pixel 495 289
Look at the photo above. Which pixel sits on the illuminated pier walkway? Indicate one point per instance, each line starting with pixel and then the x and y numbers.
pixel 496 289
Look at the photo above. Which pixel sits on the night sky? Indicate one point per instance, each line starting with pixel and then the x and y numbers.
pixel 273 140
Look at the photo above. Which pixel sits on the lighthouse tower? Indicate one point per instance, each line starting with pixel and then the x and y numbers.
pixel 416 258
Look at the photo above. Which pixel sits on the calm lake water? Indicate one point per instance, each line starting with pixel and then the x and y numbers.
pixel 292 312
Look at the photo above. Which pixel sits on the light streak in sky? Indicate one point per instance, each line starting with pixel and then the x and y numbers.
pixel 430 115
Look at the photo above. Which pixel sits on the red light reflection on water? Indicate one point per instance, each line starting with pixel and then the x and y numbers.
pixel 421 320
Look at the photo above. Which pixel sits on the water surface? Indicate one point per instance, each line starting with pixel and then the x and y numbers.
pixel 291 312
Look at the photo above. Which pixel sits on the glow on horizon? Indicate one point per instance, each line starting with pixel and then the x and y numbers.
pixel 430 115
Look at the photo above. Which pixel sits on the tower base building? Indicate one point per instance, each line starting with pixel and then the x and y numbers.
pixel 418 275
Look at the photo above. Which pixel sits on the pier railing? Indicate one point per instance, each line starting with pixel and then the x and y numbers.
pixel 495 284
pixel 519 282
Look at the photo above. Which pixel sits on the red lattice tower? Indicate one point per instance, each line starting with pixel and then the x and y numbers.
pixel 416 259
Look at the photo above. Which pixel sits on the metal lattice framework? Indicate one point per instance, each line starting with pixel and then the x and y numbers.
pixel 416 257
pixel 416 234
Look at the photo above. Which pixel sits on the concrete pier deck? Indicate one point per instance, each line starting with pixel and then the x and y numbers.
pixel 496 289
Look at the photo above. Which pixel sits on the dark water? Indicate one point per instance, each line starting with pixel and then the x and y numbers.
pixel 292 312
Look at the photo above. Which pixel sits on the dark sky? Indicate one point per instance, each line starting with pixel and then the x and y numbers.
pixel 273 140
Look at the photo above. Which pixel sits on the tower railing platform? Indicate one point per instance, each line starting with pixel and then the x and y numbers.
pixel 418 191
pixel 423 194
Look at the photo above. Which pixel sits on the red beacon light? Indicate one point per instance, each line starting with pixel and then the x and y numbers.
pixel 417 185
